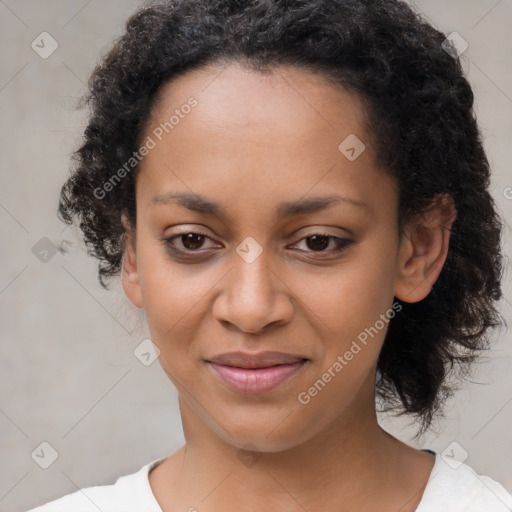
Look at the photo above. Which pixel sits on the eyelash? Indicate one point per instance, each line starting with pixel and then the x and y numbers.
pixel 342 244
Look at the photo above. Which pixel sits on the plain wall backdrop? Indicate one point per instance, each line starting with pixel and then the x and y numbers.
pixel 70 377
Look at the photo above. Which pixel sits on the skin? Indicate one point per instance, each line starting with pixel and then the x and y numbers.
pixel 248 155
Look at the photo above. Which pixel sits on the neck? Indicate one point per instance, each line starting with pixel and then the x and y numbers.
pixel 352 462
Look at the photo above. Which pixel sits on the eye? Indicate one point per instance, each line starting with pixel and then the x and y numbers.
pixel 318 242
pixel 191 243
pixel 186 242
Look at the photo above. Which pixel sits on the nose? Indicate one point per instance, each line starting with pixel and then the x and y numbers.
pixel 254 297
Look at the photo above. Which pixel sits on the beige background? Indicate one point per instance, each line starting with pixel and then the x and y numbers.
pixel 69 375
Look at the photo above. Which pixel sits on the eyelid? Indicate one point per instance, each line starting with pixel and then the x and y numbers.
pixel 314 229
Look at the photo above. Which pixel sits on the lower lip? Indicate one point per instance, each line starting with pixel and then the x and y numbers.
pixel 255 380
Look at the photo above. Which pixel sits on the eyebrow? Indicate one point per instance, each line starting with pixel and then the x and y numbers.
pixel 201 204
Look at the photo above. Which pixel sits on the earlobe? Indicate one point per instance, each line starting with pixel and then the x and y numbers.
pixel 129 269
pixel 423 251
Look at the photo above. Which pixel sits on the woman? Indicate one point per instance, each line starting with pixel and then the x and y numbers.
pixel 296 194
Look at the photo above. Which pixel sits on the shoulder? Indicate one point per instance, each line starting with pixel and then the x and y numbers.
pixel 129 492
pixel 455 487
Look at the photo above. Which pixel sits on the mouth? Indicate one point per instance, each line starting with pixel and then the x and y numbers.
pixel 253 374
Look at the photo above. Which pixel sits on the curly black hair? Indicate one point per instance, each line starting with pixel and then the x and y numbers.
pixel 420 118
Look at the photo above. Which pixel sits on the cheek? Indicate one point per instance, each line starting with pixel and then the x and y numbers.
pixel 350 297
pixel 174 295
pixel 357 309
pixel 354 306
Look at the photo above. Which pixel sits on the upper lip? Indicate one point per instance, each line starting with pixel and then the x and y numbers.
pixel 259 360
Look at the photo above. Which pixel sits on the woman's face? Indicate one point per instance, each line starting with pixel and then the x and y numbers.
pixel 294 252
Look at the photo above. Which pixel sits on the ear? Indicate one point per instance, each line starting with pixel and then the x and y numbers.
pixel 423 250
pixel 129 270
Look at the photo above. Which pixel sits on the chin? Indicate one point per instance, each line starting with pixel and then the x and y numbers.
pixel 268 435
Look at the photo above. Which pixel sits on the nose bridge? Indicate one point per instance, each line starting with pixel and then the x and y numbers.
pixel 253 278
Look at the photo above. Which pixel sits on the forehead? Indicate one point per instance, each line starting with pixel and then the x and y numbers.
pixel 294 101
pixel 262 135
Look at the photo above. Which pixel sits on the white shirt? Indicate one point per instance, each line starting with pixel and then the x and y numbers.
pixel 450 488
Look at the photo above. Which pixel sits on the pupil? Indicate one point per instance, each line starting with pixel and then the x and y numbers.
pixel 315 245
pixel 190 240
